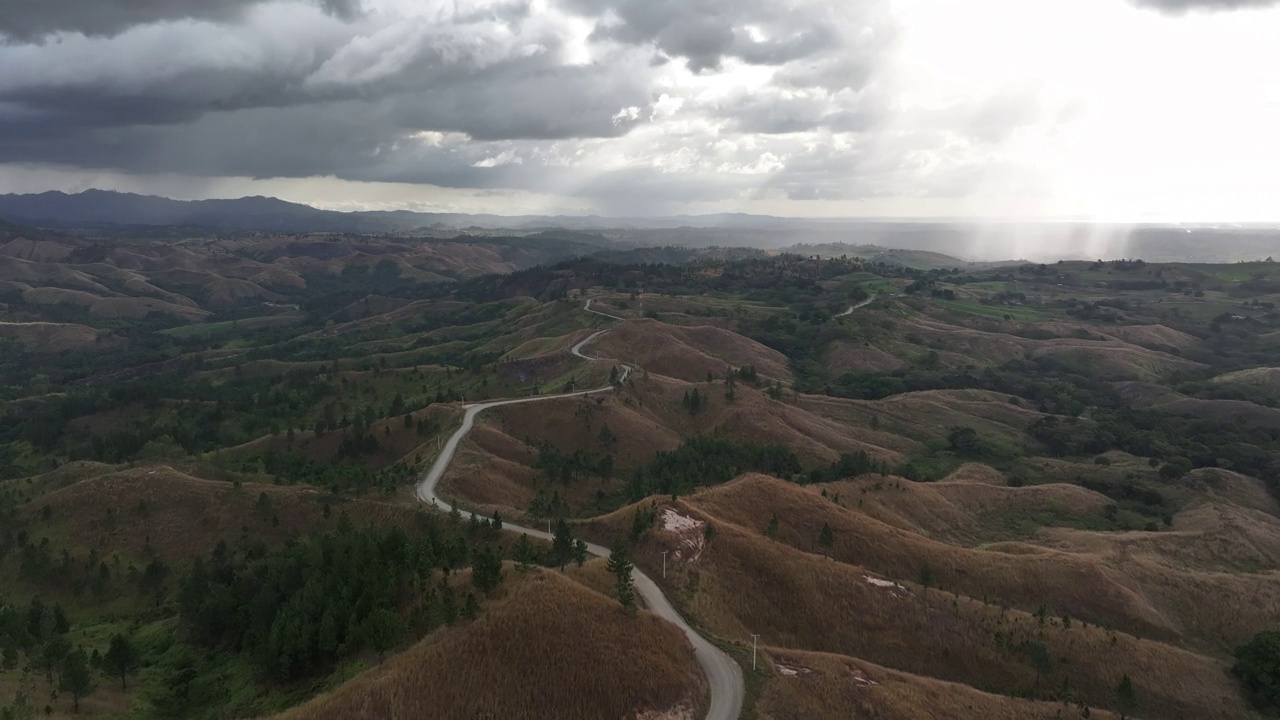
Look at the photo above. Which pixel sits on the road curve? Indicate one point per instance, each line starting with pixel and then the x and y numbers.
pixel 723 674
pixel 862 304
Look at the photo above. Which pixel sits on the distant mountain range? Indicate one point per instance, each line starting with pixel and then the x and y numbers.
pixel 93 208
pixel 116 214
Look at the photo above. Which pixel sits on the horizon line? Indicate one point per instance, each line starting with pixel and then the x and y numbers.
pixel 924 219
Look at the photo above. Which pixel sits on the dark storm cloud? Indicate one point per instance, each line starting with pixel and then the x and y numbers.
pixel 335 137
pixel 468 76
pixel 705 32
pixel 26 20
pixel 298 88
pixel 1181 6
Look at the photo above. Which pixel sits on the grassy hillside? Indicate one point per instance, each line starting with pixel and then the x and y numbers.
pixel 546 647
pixel 938 490
pixel 735 583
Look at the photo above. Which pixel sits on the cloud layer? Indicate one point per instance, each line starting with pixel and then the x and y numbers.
pixel 1180 6
pixel 632 105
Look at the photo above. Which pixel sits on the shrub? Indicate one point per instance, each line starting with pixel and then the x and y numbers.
pixel 1258 669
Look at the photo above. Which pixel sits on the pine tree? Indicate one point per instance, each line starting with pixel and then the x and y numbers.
pixel 620 565
pixel 1126 697
pixel 76 677
pixel 772 530
pixel 470 607
pixel 579 552
pixel 926 575
pixel 448 603
pixel 35 619
pixel 526 553
pixel 60 623
pixel 382 629
pixel 562 544
pixel 1041 662
pixel 486 570
pixel 826 538
pixel 52 655
pixel 22 707
pixel 122 658
pixel 263 506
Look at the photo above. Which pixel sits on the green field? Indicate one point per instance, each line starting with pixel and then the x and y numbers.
pixel 994 312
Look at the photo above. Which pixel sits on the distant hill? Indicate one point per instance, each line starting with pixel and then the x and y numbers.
pixel 919 259
pixel 96 208
pixel 100 207
pixel 965 240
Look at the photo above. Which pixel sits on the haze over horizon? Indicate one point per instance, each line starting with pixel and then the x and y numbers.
pixel 1105 110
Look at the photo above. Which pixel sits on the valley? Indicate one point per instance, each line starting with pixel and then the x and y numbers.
pixel 319 475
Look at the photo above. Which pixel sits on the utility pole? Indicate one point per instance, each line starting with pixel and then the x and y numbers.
pixel 754 637
pixel 664 564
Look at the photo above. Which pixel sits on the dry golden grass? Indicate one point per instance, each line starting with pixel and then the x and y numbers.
pixel 972 472
pixel 965 512
pixel 1114 360
pixel 1165 585
pixel 63 475
pixel 593 574
pixel 260 368
pixel 35 250
pixel 1265 377
pixel 1119 353
pixel 54 337
pixel 688 353
pixel 1215 572
pixel 983 348
pixel 107 700
pixel 540 347
pixel 395 441
pixel 1235 488
pixel 546 647
pixel 494 465
pixel 186 516
pixel 1154 336
pixel 1167 400
pixel 1223 411
pixel 1067 582
pixel 1213 536
pixel 843 357
pixel 839 687
pixel 926 415
pixel 36 274
pixel 745 583
pixel 112 307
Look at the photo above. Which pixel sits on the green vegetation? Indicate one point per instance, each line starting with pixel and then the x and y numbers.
pixel 620 566
pixel 1128 379
pixel 707 460
pixel 1258 669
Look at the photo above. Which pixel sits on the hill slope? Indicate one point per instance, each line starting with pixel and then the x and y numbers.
pixel 548 648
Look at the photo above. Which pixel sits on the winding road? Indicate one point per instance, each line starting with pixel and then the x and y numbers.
pixel 723 674
pixel 862 304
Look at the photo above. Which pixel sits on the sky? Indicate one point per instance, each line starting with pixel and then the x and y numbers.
pixel 1109 110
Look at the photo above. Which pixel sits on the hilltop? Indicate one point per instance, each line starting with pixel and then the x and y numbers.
pixel 1008 486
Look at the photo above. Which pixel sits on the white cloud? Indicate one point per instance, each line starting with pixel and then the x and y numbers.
pixel 989 107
